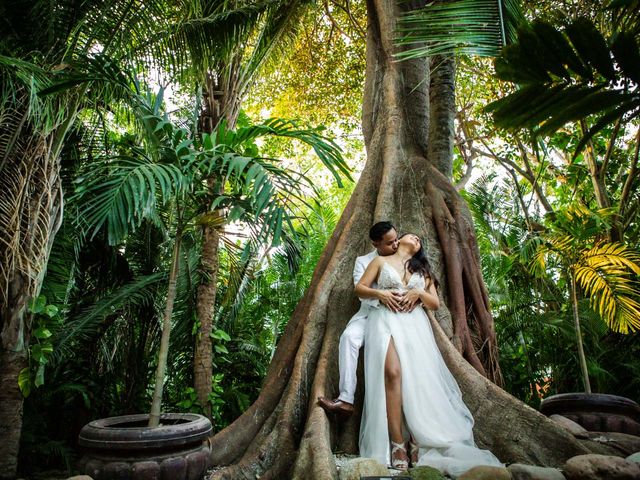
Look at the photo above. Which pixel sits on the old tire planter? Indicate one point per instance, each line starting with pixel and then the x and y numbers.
pixel 596 412
pixel 124 448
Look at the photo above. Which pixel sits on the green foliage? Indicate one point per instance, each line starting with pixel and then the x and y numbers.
pixel 45 321
pixel 320 80
pixel 607 272
pixel 566 75
pixel 532 312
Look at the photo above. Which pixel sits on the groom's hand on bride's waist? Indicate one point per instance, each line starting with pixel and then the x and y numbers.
pixel 391 299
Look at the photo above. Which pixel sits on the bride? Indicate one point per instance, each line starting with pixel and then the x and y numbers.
pixel 410 394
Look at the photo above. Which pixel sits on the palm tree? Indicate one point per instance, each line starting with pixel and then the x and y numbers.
pixel 168 182
pixel 605 272
pixel 224 80
pixel 39 41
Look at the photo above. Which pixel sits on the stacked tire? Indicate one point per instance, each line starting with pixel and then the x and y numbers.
pixel 124 448
pixel 596 412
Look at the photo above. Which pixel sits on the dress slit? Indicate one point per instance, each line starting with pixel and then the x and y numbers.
pixel 432 408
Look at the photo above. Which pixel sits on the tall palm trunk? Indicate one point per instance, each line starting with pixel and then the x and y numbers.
pixel 156 404
pixel 30 216
pixel 576 319
pixel 220 103
pixel 206 298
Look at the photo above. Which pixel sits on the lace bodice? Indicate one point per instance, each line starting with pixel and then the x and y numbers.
pixel 389 279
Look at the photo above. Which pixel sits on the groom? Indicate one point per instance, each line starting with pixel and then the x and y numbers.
pixel 384 237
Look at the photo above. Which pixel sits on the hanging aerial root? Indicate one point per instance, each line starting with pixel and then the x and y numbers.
pixel 447 235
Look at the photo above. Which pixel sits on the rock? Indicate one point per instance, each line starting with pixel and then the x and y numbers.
pixel 634 457
pixel 80 477
pixel 601 467
pixel 485 472
pixel 623 442
pixel 569 425
pixel 362 467
pixel 520 471
pixel 425 472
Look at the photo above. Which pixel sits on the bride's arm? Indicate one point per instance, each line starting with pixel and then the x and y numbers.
pixel 429 296
pixel 363 287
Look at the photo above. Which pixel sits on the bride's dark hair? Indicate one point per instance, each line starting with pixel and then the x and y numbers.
pixel 419 263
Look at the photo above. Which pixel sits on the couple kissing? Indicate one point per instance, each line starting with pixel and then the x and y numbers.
pixel 413 411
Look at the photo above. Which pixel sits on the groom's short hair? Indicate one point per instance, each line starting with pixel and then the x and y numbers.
pixel 379 229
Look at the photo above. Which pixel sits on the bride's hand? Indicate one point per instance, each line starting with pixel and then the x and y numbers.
pixel 391 299
pixel 410 300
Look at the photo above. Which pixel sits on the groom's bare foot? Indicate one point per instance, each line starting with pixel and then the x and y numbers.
pixel 335 406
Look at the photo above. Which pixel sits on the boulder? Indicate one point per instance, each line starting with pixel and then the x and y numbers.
pixel 520 471
pixel 569 425
pixel 634 457
pixel 80 477
pixel 485 472
pixel 425 472
pixel 362 467
pixel 601 467
pixel 622 442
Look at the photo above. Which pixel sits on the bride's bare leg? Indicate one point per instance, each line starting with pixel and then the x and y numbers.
pixel 393 394
pixel 393 390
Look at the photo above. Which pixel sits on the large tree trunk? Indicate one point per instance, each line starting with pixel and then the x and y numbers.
pixel 284 433
pixel 30 215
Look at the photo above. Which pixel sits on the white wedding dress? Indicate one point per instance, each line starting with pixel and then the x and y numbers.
pixel 434 411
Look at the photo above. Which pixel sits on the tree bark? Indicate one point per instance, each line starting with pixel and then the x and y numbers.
pixel 206 298
pixel 220 104
pixel 442 102
pixel 30 216
pixel 284 434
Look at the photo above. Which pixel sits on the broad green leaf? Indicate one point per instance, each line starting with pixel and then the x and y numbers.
pixel 220 335
pixel 39 379
pixel 42 333
pixel 24 382
pixel 38 305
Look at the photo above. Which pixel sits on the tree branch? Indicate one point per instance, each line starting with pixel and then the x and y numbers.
pixel 626 190
pixel 334 22
pixel 536 186
pixel 594 171
pixel 607 156
pixel 347 9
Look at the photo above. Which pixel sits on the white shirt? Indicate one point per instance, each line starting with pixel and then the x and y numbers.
pixel 366 304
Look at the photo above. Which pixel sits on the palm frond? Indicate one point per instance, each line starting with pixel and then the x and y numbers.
pixel 606 273
pixel 568 75
pixel 140 291
pixel 470 27
pixel 329 153
pixel 118 193
pixel 278 29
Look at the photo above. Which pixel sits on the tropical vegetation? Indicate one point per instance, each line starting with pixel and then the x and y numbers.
pixel 172 171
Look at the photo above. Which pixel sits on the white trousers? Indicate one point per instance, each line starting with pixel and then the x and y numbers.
pixel 350 342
